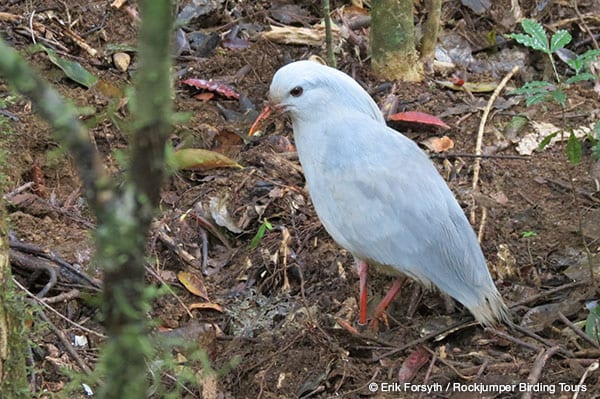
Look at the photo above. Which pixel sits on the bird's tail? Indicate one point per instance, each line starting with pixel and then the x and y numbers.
pixel 492 310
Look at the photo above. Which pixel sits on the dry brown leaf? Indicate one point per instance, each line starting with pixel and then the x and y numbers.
pixel 438 144
pixel 197 158
pixel 206 305
pixel 193 283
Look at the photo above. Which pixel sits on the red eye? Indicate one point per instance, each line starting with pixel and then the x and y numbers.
pixel 296 91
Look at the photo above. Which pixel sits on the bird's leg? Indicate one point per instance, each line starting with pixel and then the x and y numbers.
pixel 385 302
pixel 362 268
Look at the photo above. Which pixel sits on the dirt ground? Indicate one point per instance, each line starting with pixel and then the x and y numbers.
pixel 272 312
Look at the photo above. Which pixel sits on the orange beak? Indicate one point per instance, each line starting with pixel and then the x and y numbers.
pixel 261 120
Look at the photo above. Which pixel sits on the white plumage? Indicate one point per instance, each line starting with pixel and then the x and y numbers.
pixel 377 193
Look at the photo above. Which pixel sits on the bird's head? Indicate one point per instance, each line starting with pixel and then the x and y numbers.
pixel 304 89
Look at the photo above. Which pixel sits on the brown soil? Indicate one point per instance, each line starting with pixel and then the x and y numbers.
pixel 281 301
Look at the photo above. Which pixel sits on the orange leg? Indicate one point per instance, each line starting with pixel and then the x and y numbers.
pixel 362 267
pixel 385 302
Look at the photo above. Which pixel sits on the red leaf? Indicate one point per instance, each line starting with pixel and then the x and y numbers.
pixel 418 117
pixel 210 85
pixel 412 364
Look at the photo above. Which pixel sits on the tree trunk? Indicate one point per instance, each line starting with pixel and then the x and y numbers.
pixel 13 344
pixel 431 29
pixel 393 52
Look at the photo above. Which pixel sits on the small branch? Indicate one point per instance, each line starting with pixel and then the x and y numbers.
pixel 479 143
pixel 578 331
pixel 514 340
pixel 41 302
pixel 536 370
pixel 546 294
pixel 65 341
pixel 592 367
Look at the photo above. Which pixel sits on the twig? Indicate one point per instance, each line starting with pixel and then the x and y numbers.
pixel 482 224
pixel 488 156
pixel 172 245
pixel 64 340
pixel 453 328
pixel 18 190
pixel 544 294
pixel 584 24
pixel 536 370
pixel 65 296
pixel 592 367
pixel 41 302
pixel 479 142
pixel 549 344
pixel 512 339
pixel 452 367
pixel 578 331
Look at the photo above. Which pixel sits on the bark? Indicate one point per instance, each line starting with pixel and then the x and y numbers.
pixel 393 51
pixel 431 30
pixel 13 344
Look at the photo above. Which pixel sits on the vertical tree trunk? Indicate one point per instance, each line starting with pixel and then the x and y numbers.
pixel 431 30
pixel 393 50
pixel 13 344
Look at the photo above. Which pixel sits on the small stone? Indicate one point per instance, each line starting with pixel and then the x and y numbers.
pixel 122 61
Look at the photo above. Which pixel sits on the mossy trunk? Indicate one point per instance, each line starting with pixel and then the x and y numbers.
pixel 13 341
pixel 393 51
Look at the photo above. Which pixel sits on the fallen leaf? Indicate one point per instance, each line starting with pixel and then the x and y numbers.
pixel 220 213
pixel 73 70
pixel 211 85
pixel 193 283
pixel 418 117
pixel 204 97
pixel 531 141
pixel 438 144
pixel 412 364
pixel 206 305
pixel 197 158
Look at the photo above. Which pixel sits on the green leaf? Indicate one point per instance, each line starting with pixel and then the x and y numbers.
pixel 528 234
pixel 592 324
pixel 580 77
pixel 536 38
pixel 558 96
pixel 547 140
pixel 72 69
pixel 559 40
pixel 576 64
pixel 533 87
pixel 573 149
pixel 536 99
pixel 583 61
pixel 260 234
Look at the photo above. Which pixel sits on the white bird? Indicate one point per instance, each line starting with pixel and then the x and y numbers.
pixel 377 193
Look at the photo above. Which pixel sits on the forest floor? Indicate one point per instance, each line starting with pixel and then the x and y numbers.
pixel 270 313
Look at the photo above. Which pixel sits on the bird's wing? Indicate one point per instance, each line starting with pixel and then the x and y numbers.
pixel 381 198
